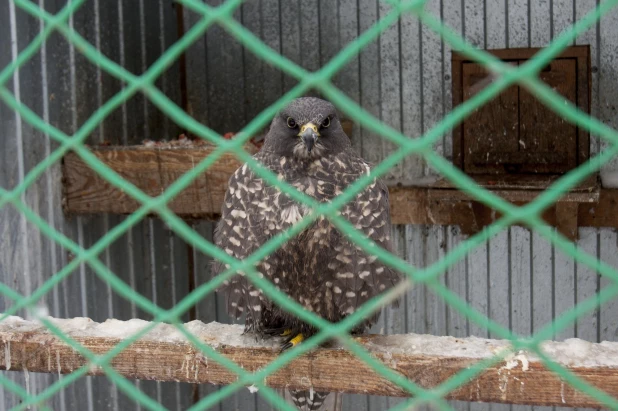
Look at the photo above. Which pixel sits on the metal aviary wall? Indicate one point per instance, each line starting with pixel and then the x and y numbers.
pixel 62 87
pixel 402 78
pixel 518 279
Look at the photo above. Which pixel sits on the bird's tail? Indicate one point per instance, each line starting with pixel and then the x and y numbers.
pixel 309 400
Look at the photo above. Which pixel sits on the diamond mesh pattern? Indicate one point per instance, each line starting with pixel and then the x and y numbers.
pixel 525 75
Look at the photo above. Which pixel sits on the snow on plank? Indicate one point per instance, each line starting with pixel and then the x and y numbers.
pixel 165 355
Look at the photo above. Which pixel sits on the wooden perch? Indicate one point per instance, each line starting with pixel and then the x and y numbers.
pixel 164 355
pixel 153 168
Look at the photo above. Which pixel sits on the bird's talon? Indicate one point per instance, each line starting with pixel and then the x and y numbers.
pixel 292 341
pixel 281 331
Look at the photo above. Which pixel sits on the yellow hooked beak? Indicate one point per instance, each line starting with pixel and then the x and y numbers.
pixel 309 133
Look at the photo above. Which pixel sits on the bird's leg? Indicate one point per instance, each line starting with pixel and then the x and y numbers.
pixel 292 336
pixel 292 341
pixel 280 331
pixel 277 331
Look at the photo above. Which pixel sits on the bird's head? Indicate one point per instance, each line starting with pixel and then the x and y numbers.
pixel 307 128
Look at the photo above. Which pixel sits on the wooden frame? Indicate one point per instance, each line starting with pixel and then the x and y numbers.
pixel 581 54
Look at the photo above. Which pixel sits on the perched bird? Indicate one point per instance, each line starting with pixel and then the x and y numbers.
pixel 319 268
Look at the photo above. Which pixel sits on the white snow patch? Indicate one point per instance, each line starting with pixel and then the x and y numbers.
pixel 572 352
pixel 512 361
pixel 38 312
pixel 609 178
pixel 253 389
pixel 577 352
pixel 418 344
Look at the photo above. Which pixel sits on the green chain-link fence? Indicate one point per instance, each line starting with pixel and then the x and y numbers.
pixel 506 75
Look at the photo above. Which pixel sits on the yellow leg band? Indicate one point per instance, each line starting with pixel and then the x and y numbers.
pixel 297 340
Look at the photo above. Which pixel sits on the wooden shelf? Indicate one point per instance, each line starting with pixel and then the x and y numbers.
pixel 519 188
pixel 164 355
pixel 153 169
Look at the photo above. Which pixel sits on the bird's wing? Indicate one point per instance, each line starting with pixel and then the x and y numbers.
pixel 243 228
pixel 359 275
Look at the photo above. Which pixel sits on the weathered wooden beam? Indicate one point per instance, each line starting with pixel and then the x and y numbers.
pixel 164 355
pixel 566 219
pixel 154 168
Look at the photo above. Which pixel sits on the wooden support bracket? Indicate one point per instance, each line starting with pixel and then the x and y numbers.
pixel 566 219
pixel 165 355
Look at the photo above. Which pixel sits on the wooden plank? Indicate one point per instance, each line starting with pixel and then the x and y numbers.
pixel 347 79
pixel 540 31
pixel 390 85
pixel 564 295
pixel 426 360
pixel 566 219
pixel 457 281
pixel 13 230
pixel 562 17
pixel 435 248
pixel 588 282
pixel 520 182
pixel 496 24
pixel 310 37
pixel 591 38
pixel 207 309
pixel 88 89
pixel 106 40
pixel 254 86
pixel 564 290
pixel 478 287
pixel 608 88
pixel 587 286
pixel 411 72
pixel 196 72
pixel 415 305
pixel 519 281
pixel 394 317
pixel 431 76
pixel 291 38
pixel 498 268
pixel 608 312
pixel 153 170
pixel 369 60
pixel 519 52
pixel 150 170
pixel 542 282
pixel 272 79
pixel 493 125
pixel 542 287
pixel 541 129
pixel 514 196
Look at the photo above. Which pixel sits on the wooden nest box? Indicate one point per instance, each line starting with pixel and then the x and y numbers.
pixel 515 133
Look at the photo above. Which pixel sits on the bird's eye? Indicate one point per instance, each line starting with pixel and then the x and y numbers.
pixel 326 122
pixel 291 122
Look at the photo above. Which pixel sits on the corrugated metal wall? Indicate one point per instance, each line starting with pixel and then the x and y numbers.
pixel 404 78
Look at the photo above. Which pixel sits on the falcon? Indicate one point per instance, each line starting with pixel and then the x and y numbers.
pixel 320 268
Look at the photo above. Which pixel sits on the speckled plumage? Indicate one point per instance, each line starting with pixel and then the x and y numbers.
pixel 319 268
